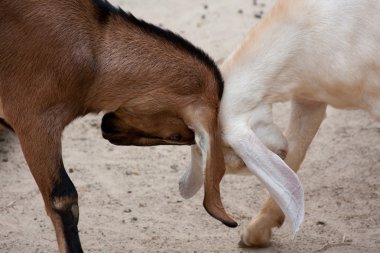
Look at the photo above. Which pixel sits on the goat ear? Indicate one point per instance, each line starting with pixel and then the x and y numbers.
pixel 208 156
pixel 192 180
pixel 281 182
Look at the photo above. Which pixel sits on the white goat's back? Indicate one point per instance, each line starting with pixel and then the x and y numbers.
pixel 322 50
pixel 339 53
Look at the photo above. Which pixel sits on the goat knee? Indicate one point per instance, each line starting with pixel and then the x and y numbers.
pixel 271 136
pixel 234 164
pixel 64 197
pixel 64 210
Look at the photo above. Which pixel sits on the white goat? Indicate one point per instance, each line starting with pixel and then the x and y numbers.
pixel 312 52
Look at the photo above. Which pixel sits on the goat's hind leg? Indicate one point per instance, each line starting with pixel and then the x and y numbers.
pixel 41 145
pixel 306 117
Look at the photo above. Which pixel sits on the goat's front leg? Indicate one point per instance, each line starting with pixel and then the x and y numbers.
pixel 41 145
pixel 306 117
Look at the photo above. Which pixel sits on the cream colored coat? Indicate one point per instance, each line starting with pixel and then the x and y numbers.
pixel 313 52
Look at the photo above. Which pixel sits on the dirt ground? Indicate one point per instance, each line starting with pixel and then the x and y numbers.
pixel 129 199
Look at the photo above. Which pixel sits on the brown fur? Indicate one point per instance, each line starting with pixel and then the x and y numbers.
pixel 59 62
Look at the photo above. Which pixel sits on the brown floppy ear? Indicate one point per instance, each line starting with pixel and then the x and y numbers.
pixel 204 122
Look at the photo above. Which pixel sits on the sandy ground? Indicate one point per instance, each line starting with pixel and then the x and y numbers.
pixel 129 200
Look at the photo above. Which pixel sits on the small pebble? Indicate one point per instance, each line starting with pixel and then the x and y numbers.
pixel 134 219
pixel 71 170
pixel 240 11
pixel 321 223
pixel 174 167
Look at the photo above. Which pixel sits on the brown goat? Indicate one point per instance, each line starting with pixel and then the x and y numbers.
pixel 60 60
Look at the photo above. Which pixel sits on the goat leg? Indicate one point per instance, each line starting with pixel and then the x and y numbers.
pixel 306 117
pixel 42 150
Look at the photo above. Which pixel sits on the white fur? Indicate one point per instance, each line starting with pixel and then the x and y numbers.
pixel 323 50
pixel 192 180
pixel 314 52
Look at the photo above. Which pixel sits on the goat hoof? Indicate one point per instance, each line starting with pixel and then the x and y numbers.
pixel 257 234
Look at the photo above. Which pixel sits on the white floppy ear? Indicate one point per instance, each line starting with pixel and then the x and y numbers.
pixel 192 180
pixel 281 182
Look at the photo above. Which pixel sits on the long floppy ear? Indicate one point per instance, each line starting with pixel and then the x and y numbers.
pixel 281 182
pixel 192 180
pixel 207 156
